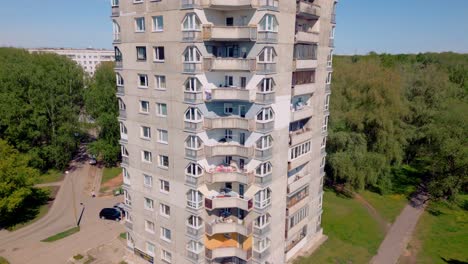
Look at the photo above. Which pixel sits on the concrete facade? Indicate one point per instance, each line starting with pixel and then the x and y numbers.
pixel 223 113
pixel 88 59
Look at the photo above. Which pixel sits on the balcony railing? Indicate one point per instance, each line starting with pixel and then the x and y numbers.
pixel 228 122
pixel 193 67
pixel 308 10
pixel 192 36
pixel 265 98
pixel 115 11
pixel 229 64
pixel 228 93
pixel 263 180
pixel 192 126
pixel 229 149
pixel 333 18
pixel 307 37
pixel 302 113
pixel 118 64
pixel 125 161
pixel 120 90
pixel 194 181
pixel 194 154
pixel 298 182
pixel 300 136
pixel 331 44
pixel 231 224
pixel 195 256
pixel 306 63
pixel 231 173
pixel 193 97
pixel 265 127
pixel 229 33
pixel 227 4
pixel 266 68
pixel 228 200
pixel 224 252
pixel 306 88
pixel 122 114
pixel 195 232
pixel 263 205
pixel 267 37
pixel 260 231
pixel 267 4
pixel 116 38
pixel 261 253
pixel 189 4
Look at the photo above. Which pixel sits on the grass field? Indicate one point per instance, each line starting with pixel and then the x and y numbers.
pixel 3 261
pixel 110 173
pixel 61 235
pixel 51 176
pixel 353 235
pixel 389 206
pixel 442 234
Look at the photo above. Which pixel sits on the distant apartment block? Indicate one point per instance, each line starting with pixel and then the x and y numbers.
pixel 224 109
pixel 88 59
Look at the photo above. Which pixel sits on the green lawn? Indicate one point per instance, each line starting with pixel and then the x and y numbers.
pixel 63 234
pixel 123 235
pixel 353 235
pixel 442 233
pixel 110 173
pixel 389 206
pixel 3 261
pixel 51 176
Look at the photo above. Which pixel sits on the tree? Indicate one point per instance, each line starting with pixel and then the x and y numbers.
pixel 101 105
pixel 19 199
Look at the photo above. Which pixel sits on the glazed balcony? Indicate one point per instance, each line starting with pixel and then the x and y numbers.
pixel 118 64
pixel 228 200
pixel 308 10
pixel 263 180
pixel 190 4
pixel 116 38
pixel 299 113
pixel 222 173
pixel 192 126
pixel 300 136
pixel 229 64
pixel 265 98
pixel 229 149
pixel 222 246
pixel 228 94
pixel 260 231
pixel 192 36
pixel 296 182
pixel 307 37
pixel 122 114
pixel 193 97
pixel 261 252
pixel 229 33
pixel 266 68
pixel 301 89
pixel 115 11
pixel 263 154
pixel 229 122
pixel 195 256
pixel 195 232
pixel 231 224
pixel 331 44
pixel 299 161
pixel 125 161
pixel 194 154
pixel 305 63
pixel 193 67
pixel 120 90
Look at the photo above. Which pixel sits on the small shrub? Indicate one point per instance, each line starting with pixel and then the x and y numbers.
pixel 78 257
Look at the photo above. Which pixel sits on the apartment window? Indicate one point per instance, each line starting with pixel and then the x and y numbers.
pixel 142 80
pixel 126 174
pixel 150 248
pixel 163 136
pixel 115 3
pixel 299 150
pixel 322 162
pixel 195 246
pixel 127 198
pixel 194 199
pixel 160 82
pixel 267 55
pixel 191 23
pixel 115 30
pixel 159 54
pixel 324 142
pixel 263 169
pixel 192 55
pixel 265 142
pixel 299 196
pixel 243 82
pixel 269 23
pixel 140 24
pixel 193 142
pixel 267 85
pixel 228 134
pixel 305 51
pixel 193 115
pixel 166 234
pixel 299 216
pixel 164 186
pixel 119 79
pixel 193 170
pixel 262 221
pixel 228 108
pixel 166 256
pixel 332 32
pixel 327 102
pixel 263 198
pixel 145 132
pixel 192 85
pixel 124 151
pixel 265 115
pixel 329 78
pixel 144 107
pixel 147 180
pixel 330 58
pixel 149 204
pixel 164 210
pixel 158 23
pixel 123 129
pixel 325 124
pixel 163 161
pixel 141 53
pixel 149 226
pixel 146 156
pixel 161 109
pixel 228 81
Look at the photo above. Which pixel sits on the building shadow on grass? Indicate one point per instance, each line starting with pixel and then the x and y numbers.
pixel 453 261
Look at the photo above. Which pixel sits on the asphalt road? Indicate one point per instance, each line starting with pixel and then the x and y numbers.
pixel 24 246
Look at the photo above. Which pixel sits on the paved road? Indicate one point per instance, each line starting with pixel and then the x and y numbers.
pixel 401 231
pixel 24 247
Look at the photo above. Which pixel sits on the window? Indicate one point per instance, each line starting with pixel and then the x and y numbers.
pixel 265 115
pixel 192 85
pixel 142 80
pixel 144 107
pixel 160 82
pixel 299 216
pixel 163 161
pixel 228 134
pixel 141 53
pixel 192 55
pixel 193 170
pixel 324 142
pixel 243 82
pixel 228 109
pixel 164 210
pixel 149 204
pixel 263 169
pixel 329 78
pixel 299 196
pixel 330 58
pixel 164 186
pixel 191 23
pixel 166 234
pixel 140 24
pixel 267 55
pixel 322 162
pixel 127 198
pixel 123 130
pixel 193 142
pixel 269 23
pixel 332 33
pixel 161 109
pixel 266 85
pixel 118 54
pixel 327 102
pixel 305 51
pixel 193 115
pixel 146 156
pixel 265 142
pixel 163 136
pixel 126 175
pixel 149 226
pixel 228 81
pixel 166 256
pixel 159 54
pixel 150 248
pixel 194 199
pixel 263 198
pixel 303 77
pixel 195 246
pixel 325 124
pixel 147 180
pixel 158 23
pixel 115 3
pixel 262 221
pixel 299 150
pixel 145 132
pixel 124 151
pixel 115 30
pixel 119 79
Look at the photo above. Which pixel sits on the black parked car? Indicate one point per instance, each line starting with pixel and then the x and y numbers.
pixel 110 213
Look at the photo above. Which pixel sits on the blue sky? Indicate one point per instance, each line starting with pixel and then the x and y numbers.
pixel 392 26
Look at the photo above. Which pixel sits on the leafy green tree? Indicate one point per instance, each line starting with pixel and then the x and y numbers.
pixel 19 199
pixel 101 105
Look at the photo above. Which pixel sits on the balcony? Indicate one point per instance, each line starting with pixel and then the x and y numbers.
pixel 331 44
pixel 300 136
pixel 193 67
pixel 264 154
pixel 267 37
pixel 228 94
pixel 193 127
pixel 261 252
pixel 265 127
pixel 260 231
pixel 229 64
pixel 308 10
pixel 118 64
pixel 229 149
pixel 228 245
pixel 195 232
pixel 228 200
pixel 305 63
pixel 120 90
pixel 328 88
pixel 266 4
pixel 297 182
pixel 263 205
pixel 299 161
pixel 193 97
pixel 232 4
pixel 266 68
pixel 123 138
pixel 333 19
pixel 228 33
pixel 195 256
pixel 222 173
pixel 125 161
pixel 122 114
pixel 228 122
pixel 263 180
pixel 301 89
pixel 265 98
pixel 231 224
pixel 116 38
pixel 190 4
pixel 192 36
pixel 301 113
pixel 307 37
pixel 194 154
pixel 115 11
pixel 194 181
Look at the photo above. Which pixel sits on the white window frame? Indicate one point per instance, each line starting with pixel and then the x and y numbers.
pixel 266 114
pixel 164 210
pixel 228 108
pixel 166 234
pixel 137 26
pixel 192 85
pixel 267 55
pixel 329 78
pixel 194 115
pixel 142 109
pixel 147 180
pixel 327 102
pixel 164 186
pixel 149 204
pixel 119 79
pixel 265 142
pixel 161 159
pixel 158 23
pixel 161 138
pixel 150 248
pixel 145 132
pixel 160 82
pixel 263 169
pixel 192 55
pixel 325 124
pixel 146 156
pixel 145 82
pixel 157 55
pixel 194 23
pixel 269 23
pixel 166 256
pixel 159 109
pixel 149 226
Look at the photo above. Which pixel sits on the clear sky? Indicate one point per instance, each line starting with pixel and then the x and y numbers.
pixel 392 26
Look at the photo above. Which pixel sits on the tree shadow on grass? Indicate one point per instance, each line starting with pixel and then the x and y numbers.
pixel 453 261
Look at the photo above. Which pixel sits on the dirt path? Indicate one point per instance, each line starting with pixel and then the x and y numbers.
pixel 400 233
pixel 384 225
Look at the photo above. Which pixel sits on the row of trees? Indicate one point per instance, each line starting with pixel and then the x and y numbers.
pixel 390 111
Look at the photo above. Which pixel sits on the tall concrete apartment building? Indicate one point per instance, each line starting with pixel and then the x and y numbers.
pixel 223 117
